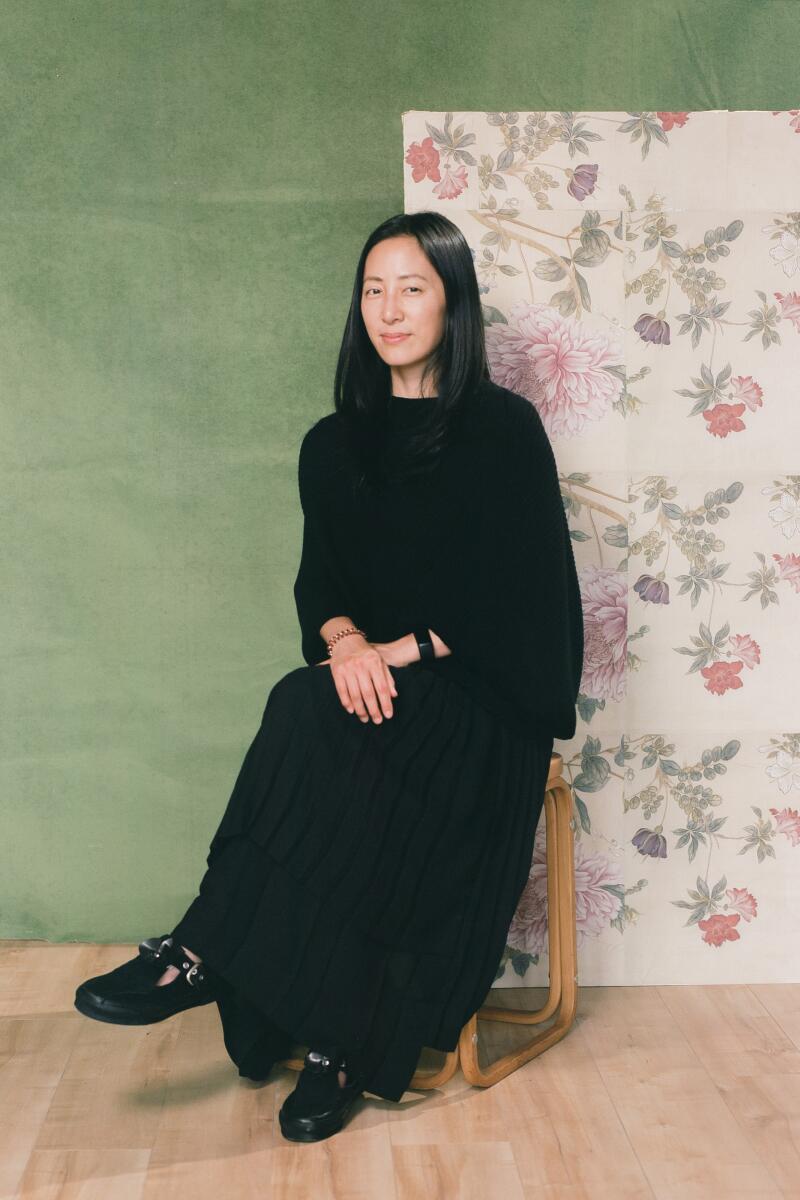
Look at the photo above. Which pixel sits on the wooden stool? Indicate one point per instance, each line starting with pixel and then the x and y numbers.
pixel 562 942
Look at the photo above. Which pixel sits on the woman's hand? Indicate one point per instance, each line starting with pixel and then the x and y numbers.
pixel 362 677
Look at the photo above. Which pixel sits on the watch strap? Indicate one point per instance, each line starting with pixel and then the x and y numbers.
pixel 425 643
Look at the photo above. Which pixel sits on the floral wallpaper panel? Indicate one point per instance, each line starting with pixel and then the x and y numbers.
pixel 640 276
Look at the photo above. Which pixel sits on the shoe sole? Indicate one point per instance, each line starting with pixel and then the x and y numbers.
pixel 125 1017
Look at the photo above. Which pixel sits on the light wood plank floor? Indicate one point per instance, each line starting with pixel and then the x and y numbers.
pixel 665 1092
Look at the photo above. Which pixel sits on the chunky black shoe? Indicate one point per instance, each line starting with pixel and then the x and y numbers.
pixel 129 995
pixel 318 1106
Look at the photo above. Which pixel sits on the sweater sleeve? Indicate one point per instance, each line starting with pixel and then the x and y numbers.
pixel 320 591
pixel 510 606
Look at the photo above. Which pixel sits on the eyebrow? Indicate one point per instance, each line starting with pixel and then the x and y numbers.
pixel 413 275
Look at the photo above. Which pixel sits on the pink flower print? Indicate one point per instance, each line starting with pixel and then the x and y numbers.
pixel 743 902
pixel 722 677
pixel 604 595
pixel 724 419
pixel 719 929
pixel 790 307
pixel 423 158
pixel 746 649
pixel 788 823
pixel 528 929
pixel 794 114
pixel 746 389
pixel 789 568
pixel 559 364
pixel 453 183
pixel 670 119
pixel 596 906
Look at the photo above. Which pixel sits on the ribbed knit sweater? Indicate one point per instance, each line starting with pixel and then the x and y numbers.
pixel 479 552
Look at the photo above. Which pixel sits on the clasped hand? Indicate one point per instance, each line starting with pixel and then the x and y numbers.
pixel 362 676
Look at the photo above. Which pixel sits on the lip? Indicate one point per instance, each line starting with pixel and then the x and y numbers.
pixel 394 337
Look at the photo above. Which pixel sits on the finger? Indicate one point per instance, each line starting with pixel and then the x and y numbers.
pixel 383 683
pixel 356 700
pixel 369 694
pixel 344 695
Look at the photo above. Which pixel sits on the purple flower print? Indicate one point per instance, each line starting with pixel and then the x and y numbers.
pixel 652 329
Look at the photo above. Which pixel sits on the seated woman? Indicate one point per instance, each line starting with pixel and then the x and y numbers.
pixel 364 874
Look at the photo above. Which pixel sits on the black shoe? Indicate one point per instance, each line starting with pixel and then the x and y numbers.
pixel 318 1105
pixel 128 995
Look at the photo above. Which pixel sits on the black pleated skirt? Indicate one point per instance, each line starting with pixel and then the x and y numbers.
pixel 362 880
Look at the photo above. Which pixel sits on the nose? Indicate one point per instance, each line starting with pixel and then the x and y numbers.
pixel 391 308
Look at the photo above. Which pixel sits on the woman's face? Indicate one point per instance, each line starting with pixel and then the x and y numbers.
pixel 403 294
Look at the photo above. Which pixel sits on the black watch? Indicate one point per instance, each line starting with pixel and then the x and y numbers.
pixel 424 643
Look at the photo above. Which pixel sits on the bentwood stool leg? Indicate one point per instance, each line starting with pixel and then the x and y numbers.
pixel 562 944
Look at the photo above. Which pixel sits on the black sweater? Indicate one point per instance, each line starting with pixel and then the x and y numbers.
pixel 479 552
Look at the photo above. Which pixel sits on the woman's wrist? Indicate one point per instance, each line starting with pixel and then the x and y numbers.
pixel 410 649
pixel 411 646
pixel 348 644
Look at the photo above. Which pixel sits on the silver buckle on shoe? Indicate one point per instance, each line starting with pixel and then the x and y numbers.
pixel 319 1059
pixel 194 971
pixel 148 946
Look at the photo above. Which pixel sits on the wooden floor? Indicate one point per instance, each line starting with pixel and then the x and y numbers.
pixel 688 1092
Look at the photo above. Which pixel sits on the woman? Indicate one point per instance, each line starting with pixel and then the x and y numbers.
pixel 365 872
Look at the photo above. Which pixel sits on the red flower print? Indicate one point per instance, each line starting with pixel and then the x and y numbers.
pixel 743 902
pixel 453 183
pixel 719 929
pixel 746 649
pixel 722 677
pixel 788 822
pixel 724 419
pixel 668 119
pixel 789 565
pixel 423 158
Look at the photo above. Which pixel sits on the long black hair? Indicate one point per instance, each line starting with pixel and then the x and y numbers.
pixel 363 381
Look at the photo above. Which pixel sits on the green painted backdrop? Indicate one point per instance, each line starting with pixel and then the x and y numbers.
pixel 185 187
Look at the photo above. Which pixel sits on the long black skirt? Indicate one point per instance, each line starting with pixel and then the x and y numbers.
pixel 363 878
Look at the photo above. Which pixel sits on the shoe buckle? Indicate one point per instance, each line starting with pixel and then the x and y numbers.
pixel 317 1059
pixel 195 971
pixel 148 948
